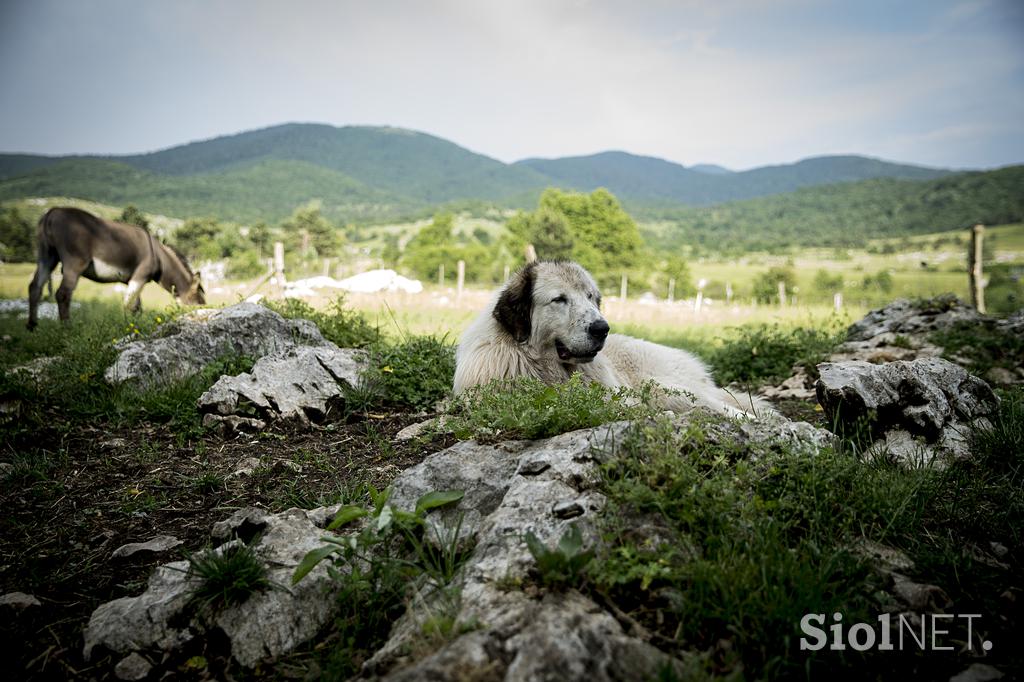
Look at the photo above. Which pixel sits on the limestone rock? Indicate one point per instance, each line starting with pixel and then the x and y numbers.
pixel 918 410
pixel 160 543
pixel 296 383
pixel 906 318
pixel 19 600
pixel 132 668
pixel 513 488
pixel 269 623
pixel 977 672
pixel 184 346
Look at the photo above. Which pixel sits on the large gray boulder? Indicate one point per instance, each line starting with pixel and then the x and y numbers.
pixel 903 330
pixel 298 383
pixel 915 411
pixel 162 619
pixel 913 318
pixel 181 348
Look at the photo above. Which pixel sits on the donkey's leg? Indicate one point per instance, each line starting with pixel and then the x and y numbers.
pixel 64 291
pixel 44 268
pixel 133 296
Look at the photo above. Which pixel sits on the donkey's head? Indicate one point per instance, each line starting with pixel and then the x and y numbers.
pixel 178 278
pixel 195 294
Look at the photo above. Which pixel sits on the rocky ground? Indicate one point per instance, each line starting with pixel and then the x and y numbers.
pixel 74 521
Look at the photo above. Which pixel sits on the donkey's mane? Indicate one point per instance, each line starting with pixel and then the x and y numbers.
pixel 181 257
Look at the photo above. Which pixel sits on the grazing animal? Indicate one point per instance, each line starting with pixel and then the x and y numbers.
pixel 546 323
pixel 105 251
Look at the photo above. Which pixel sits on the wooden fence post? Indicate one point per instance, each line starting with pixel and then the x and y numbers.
pixel 507 272
pixel 460 279
pixel 974 268
pixel 728 292
pixel 279 264
pixel 782 294
pixel 837 300
pixel 531 253
pixel 624 288
pixel 440 275
pixel 671 289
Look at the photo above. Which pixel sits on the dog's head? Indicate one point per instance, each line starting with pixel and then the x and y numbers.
pixel 554 306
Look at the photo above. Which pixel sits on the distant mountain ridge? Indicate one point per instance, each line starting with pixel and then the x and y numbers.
pixel 360 171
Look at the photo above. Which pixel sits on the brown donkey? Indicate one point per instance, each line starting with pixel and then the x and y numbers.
pixel 105 251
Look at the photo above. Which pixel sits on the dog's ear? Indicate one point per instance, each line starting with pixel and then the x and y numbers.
pixel 515 305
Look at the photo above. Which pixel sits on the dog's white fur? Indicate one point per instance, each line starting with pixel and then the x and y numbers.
pixel 546 323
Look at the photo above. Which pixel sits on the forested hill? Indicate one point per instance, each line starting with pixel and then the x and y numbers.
pixel 845 214
pixel 361 172
pixel 643 178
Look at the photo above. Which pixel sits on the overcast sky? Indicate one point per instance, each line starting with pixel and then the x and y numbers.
pixel 740 83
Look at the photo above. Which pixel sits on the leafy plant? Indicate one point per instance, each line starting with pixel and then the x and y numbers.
pixel 415 373
pixel 377 566
pixel 564 565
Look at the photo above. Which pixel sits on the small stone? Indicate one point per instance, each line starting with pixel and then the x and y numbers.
pixel 416 430
pixel 132 667
pixel 160 543
pixel 920 597
pixel 290 465
pixel 533 467
pixel 568 510
pixel 1002 376
pixel 19 600
pixel 5 470
pixel 977 672
pixel 246 466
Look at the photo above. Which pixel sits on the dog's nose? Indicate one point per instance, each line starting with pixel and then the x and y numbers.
pixel 598 330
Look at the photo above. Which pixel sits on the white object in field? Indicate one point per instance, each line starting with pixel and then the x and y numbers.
pixel 363 283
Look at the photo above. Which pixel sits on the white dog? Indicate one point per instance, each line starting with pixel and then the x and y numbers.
pixel 546 323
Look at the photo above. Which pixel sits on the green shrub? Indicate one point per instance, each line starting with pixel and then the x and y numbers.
pixel 341 326
pixel 982 345
pixel 528 408
pixel 767 353
pixel 414 373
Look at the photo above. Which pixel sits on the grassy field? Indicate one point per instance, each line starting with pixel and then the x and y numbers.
pixel 929 265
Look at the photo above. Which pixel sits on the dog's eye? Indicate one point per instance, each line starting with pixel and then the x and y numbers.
pixel 560 299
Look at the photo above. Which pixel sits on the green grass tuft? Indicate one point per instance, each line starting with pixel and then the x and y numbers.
pixel 528 408
pixel 228 577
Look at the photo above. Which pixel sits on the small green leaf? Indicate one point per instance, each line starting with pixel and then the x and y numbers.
pixel 438 498
pixel 309 562
pixel 347 514
pixel 571 542
pixel 384 520
pixel 536 547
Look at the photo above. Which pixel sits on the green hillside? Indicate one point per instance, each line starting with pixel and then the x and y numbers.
pixel 642 179
pixel 267 190
pixel 400 162
pixel 842 215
